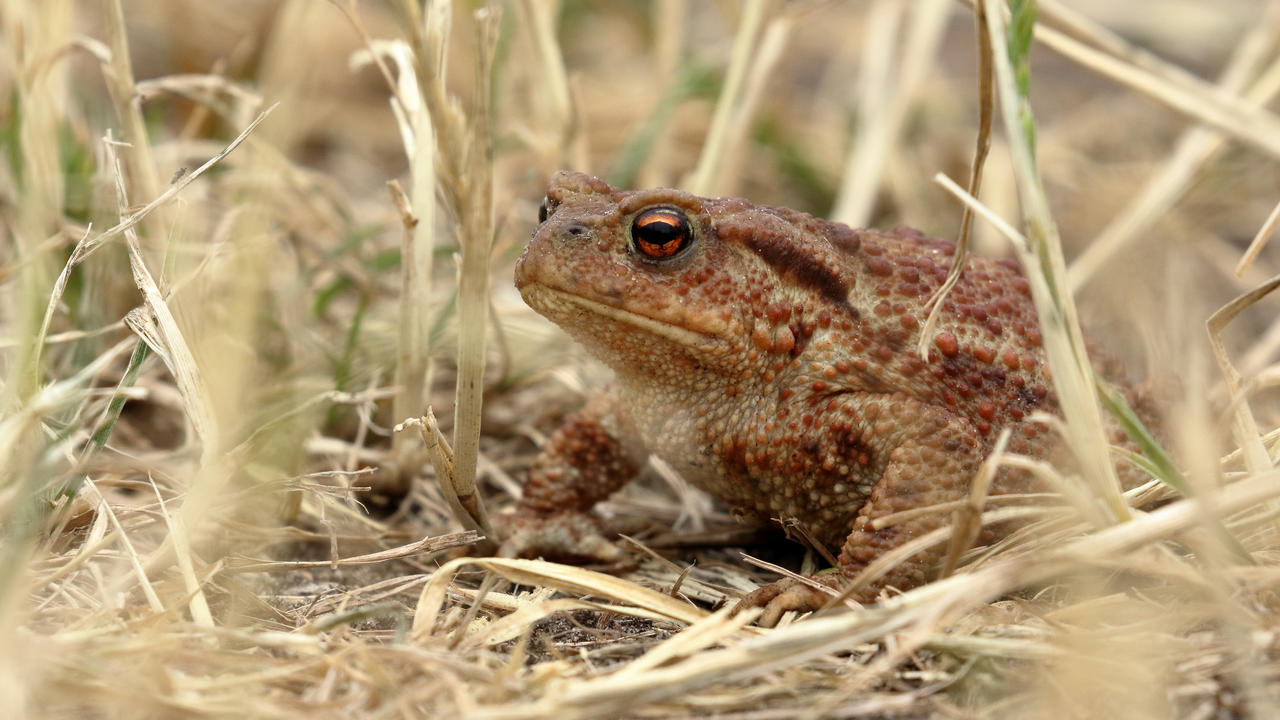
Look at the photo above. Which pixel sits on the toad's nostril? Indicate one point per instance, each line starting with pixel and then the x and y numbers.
pixel 576 230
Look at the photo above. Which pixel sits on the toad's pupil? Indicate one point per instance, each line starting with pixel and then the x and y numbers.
pixel 660 231
pixel 543 210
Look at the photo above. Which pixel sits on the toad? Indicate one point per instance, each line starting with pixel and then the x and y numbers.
pixel 770 357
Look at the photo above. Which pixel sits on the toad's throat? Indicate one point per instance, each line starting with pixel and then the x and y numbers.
pixel 551 301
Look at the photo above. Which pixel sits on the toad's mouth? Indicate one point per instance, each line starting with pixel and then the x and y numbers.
pixel 556 303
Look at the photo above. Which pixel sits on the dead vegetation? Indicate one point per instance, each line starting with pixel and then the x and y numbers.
pixel 214 315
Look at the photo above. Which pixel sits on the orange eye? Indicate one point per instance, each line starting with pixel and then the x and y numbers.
pixel 660 233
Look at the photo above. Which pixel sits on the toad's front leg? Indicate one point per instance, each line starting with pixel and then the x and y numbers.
pixel 933 455
pixel 594 453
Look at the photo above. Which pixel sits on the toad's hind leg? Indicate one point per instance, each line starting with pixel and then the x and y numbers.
pixel 935 469
pixel 933 465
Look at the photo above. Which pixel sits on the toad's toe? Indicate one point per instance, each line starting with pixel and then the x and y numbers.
pixel 790 594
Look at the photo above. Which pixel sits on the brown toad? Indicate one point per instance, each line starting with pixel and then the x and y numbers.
pixel 770 357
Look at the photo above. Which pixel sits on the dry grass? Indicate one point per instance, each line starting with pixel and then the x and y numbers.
pixel 200 490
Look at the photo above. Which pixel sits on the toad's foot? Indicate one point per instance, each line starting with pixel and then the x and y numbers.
pixel 792 594
pixel 565 536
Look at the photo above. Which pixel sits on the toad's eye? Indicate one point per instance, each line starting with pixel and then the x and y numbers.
pixel 547 207
pixel 660 233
